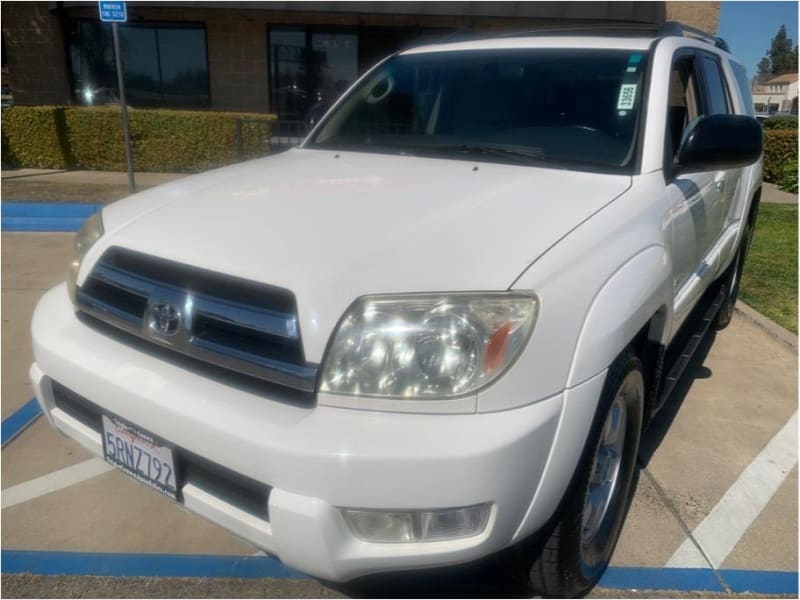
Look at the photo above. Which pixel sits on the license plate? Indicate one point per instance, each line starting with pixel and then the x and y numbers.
pixel 139 455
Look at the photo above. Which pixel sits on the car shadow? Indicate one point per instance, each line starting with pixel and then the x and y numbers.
pixel 478 579
pixel 661 423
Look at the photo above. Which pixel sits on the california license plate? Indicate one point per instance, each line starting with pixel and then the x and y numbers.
pixel 139 455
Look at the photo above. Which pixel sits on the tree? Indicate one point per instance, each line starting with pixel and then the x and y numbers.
pixel 781 57
pixel 764 68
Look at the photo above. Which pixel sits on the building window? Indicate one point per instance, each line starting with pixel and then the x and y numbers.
pixel 165 65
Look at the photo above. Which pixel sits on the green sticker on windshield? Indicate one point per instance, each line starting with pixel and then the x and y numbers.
pixel 634 59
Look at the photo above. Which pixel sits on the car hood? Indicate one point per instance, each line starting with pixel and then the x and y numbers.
pixel 333 226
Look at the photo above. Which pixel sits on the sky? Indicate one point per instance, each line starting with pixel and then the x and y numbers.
pixel 748 27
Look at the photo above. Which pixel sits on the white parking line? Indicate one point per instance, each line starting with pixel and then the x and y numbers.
pixel 53 482
pixel 727 522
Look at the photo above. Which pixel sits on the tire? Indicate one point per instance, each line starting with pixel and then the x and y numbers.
pixel 732 279
pixel 583 540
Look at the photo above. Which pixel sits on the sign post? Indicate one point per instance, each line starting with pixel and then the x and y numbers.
pixel 116 12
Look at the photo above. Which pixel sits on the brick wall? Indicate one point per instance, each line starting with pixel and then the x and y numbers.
pixel 703 15
pixel 36 58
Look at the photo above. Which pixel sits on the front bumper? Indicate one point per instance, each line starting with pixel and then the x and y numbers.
pixel 314 458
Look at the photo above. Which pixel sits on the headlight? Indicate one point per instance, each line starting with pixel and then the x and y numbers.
pixel 426 346
pixel 89 233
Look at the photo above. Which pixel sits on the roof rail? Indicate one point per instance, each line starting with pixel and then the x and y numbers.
pixel 611 29
pixel 674 28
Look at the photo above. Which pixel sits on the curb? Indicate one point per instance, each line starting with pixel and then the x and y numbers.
pixel 768 325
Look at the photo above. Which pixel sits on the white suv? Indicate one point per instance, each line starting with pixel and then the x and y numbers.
pixel 436 330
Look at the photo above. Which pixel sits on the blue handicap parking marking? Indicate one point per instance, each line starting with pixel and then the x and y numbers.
pixel 249 567
pixel 144 565
pixel 16 423
pixel 46 216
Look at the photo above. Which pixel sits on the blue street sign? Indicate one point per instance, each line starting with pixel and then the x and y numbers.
pixel 113 12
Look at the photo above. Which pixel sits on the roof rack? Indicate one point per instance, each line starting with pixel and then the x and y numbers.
pixel 610 29
pixel 674 28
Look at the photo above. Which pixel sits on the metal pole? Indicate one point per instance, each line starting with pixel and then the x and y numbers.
pixel 125 128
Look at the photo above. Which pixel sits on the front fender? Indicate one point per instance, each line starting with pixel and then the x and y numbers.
pixel 624 304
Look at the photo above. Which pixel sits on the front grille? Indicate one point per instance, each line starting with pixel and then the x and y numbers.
pixel 244 326
pixel 238 490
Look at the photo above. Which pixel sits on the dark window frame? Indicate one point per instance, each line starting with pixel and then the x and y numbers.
pixel 167 24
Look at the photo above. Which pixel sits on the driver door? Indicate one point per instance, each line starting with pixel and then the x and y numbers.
pixel 696 200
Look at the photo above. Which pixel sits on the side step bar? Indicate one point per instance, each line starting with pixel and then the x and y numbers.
pixel 697 328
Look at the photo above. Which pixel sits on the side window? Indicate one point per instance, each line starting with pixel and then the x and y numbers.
pixel 684 103
pixel 716 97
pixel 744 88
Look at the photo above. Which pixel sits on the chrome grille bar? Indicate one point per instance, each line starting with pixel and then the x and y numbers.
pixel 254 332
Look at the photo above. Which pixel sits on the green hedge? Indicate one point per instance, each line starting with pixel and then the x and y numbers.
pixel 34 136
pixel 780 123
pixel 780 148
pixel 59 137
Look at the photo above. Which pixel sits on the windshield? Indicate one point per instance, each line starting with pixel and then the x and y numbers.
pixel 567 106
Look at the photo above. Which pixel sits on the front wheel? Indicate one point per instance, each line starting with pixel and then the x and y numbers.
pixel 580 547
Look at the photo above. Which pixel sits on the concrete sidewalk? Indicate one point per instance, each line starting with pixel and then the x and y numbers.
pixel 86 177
pixel 53 185
pixel 772 194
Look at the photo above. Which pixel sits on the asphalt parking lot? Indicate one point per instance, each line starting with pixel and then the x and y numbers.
pixel 715 512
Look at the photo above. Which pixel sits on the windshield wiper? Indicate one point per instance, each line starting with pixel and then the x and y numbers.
pixel 525 154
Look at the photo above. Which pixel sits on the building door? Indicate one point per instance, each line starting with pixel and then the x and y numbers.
pixel 288 73
pixel 309 67
pixel 334 65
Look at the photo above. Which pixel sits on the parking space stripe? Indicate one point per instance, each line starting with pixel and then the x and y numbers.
pixel 248 567
pixel 16 422
pixel 45 216
pixel 727 522
pixel 54 481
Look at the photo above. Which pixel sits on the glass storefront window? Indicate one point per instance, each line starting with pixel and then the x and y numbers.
pixel 309 69
pixel 164 65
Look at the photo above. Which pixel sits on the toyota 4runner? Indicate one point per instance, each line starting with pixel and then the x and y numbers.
pixel 436 330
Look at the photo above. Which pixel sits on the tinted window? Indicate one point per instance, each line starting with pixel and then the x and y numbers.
pixel 562 106
pixel 164 65
pixel 744 88
pixel 716 99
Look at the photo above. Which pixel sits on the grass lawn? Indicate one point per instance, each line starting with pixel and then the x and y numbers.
pixel 769 281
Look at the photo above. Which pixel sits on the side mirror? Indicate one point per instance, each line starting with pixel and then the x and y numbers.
pixel 719 142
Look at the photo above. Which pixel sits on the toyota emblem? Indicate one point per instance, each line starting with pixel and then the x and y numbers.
pixel 165 318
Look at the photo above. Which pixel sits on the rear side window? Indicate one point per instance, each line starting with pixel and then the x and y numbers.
pixel 716 98
pixel 744 88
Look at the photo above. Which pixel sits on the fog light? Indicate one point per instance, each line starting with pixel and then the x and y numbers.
pixel 417 525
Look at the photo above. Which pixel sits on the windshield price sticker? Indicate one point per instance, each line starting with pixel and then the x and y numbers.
pixel 627 96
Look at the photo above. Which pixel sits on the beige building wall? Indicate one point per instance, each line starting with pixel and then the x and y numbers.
pixel 703 15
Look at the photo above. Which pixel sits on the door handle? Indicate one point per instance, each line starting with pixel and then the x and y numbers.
pixel 719 185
